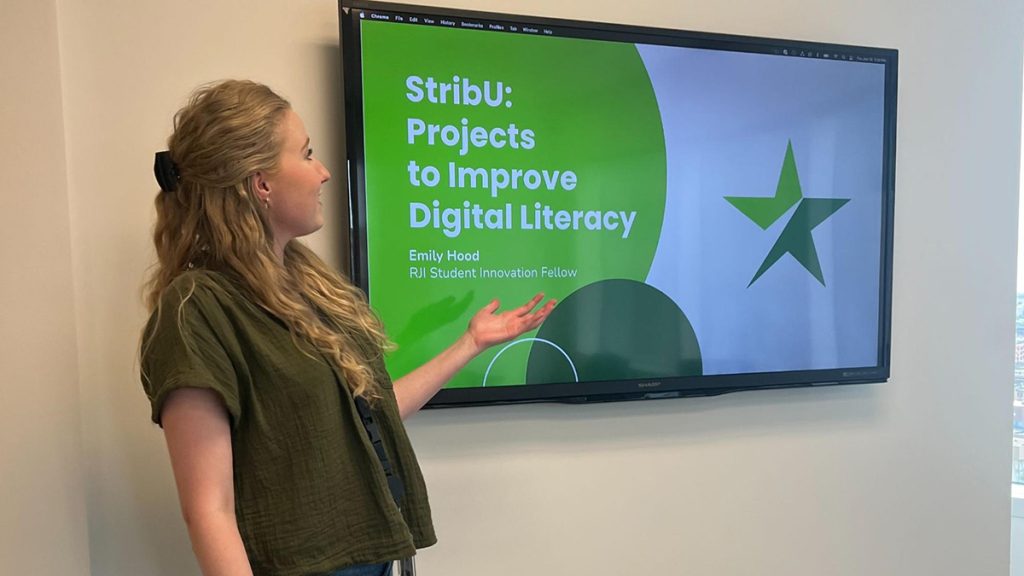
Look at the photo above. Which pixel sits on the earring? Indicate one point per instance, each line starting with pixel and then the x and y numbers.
pixel 266 202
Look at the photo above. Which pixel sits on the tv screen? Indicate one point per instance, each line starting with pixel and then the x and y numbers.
pixel 713 213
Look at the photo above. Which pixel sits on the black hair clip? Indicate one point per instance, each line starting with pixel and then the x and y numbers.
pixel 166 171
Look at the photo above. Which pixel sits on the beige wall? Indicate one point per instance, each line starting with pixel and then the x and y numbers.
pixel 42 517
pixel 906 478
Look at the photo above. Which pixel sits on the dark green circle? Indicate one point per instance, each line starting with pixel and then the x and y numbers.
pixel 615 330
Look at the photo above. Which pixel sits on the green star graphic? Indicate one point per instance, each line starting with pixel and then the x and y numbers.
pixel 796 237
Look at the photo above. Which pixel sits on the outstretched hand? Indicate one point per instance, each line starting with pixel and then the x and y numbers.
pixel 487 328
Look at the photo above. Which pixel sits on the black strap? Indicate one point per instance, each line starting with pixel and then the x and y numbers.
pixel 395 484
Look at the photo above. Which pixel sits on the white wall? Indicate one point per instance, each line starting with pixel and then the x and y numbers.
pixel 42 518
pixel 907 478
pixel 1017 546
pixel 1017 531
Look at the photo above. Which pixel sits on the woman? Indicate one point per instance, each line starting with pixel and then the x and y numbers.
pixel 258 357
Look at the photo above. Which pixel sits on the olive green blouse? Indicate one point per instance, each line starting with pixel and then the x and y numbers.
pixel 310 494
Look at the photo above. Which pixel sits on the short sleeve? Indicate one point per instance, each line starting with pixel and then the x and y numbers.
pixel 186 344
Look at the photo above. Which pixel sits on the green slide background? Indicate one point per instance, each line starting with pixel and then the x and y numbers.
pixel 593 111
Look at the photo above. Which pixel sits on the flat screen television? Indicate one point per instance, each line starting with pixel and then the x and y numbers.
pixel 714 213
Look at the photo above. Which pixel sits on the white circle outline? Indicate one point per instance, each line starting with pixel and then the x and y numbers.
pixel 575 375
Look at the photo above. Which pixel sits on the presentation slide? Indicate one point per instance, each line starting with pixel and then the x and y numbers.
pixel 693 211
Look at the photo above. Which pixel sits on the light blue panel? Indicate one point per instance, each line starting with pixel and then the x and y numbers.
pixel 728 118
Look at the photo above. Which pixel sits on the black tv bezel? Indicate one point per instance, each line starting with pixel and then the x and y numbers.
pixel 618 390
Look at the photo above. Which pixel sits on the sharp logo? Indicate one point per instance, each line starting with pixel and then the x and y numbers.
pixel 648 384
pixel 857 373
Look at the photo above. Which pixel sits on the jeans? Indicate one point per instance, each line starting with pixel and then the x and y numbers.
pixel 365 570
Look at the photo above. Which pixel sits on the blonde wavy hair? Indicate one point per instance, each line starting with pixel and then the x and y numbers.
pixel 227 132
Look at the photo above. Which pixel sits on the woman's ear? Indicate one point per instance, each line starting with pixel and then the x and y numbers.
pixel 260 185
